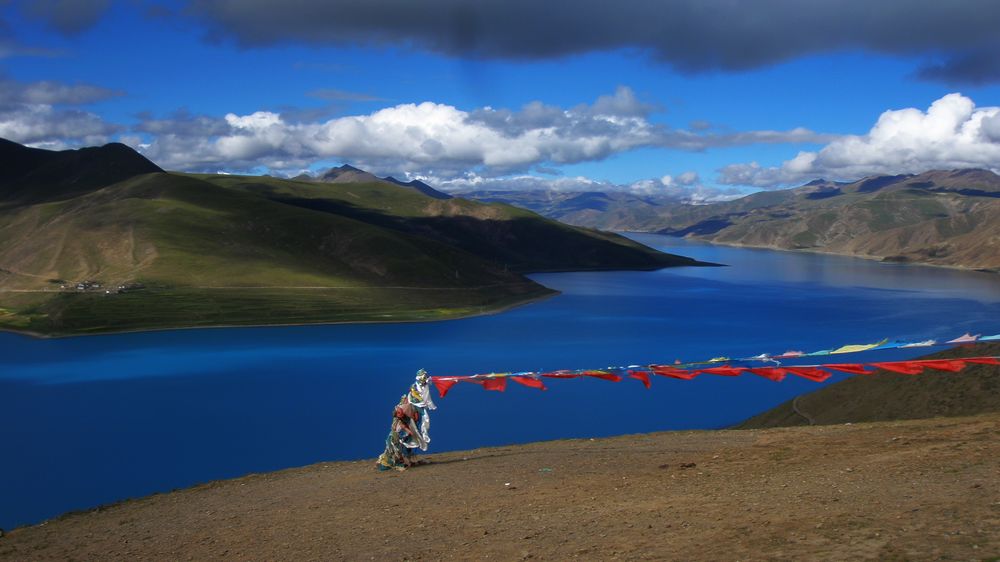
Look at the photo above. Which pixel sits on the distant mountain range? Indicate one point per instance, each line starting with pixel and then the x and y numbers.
pixel 350 174
pixel 949 218
pixel 101 239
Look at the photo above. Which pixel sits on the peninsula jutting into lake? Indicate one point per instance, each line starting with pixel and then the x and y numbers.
pixel 100 240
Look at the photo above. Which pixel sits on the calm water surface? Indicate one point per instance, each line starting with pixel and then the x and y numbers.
pixel 97 419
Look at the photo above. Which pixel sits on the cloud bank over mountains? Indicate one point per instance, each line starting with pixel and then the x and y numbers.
pixel 435 139
pixel 495 148
pixel 951 133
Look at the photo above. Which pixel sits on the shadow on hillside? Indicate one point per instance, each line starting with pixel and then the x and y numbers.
pixel 522 244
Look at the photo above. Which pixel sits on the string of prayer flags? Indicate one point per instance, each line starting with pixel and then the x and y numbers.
pixel 776 372
pixel 816 373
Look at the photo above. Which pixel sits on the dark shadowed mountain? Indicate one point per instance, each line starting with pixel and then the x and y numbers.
pixel 32 175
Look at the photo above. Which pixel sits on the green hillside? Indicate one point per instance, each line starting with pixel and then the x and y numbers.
pixel 885 396
pixel 160 249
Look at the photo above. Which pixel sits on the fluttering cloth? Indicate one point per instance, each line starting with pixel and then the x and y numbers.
pixel 410 427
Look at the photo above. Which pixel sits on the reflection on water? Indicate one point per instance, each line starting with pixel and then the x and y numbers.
pixel 92 420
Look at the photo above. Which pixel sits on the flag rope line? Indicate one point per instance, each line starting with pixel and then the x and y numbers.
pixel 777 372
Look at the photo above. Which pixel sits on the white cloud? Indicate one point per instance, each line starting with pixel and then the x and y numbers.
pixel 435 138
pixel 48 127
pixel 31 113
pixel 952 133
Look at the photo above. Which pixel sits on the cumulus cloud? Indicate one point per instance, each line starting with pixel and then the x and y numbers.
pixel 952 133
pixel 959 37
pixel 35 113
pixel 437 138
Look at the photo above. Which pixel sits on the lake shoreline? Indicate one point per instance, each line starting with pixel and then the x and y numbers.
pixel 490 312
pixel 875 259
pixel 549 293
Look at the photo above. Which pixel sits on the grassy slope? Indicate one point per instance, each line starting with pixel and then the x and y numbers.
pixel 888 396
pixel 224 250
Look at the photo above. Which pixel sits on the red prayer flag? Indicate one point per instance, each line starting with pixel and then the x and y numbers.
pixel 725 371
pixel 642 376
pixel 811 373
pixel 531 382
pixel 904 367
pixel 673 372
pixel 498 384
pixel 603 375
pixel 443 385
pixel 773 373
pixel 983 360
pixel 952 366
pixel 853 368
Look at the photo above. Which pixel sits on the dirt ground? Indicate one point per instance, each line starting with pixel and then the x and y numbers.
pixel 913 490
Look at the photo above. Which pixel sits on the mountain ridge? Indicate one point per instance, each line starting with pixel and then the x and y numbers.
pixel 939 217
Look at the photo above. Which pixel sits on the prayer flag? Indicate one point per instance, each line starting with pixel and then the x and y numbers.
pixel 672 372
pixel 775 374
pixel 964 338
pixel 642 376
pixel 531 382
pixel 903 367
pixel 443 385
pixel 983 360
pixel 811 373
pixel 498 384
pixel 603 375
pixel 856 348
pixel 952 366
pixel 853 368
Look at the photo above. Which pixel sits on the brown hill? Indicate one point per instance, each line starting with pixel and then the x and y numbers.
pixel 891 396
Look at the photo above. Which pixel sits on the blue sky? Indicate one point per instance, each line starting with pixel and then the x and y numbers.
pixel 302 85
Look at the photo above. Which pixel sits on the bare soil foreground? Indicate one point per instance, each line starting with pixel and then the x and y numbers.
pixel 909 490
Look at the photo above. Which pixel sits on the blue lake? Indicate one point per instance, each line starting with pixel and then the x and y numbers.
pixel 92 420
